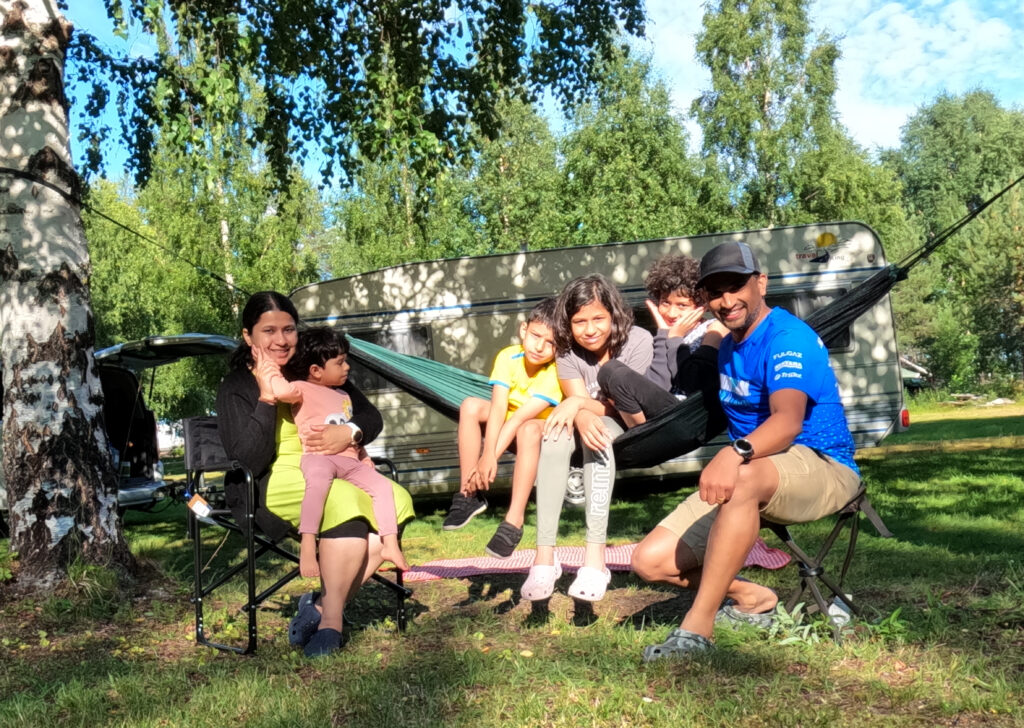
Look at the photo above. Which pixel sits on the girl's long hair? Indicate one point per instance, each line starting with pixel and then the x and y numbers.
pixel 588 289
pixel 257 305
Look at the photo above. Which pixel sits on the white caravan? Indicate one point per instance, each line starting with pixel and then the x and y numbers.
pixel 462 311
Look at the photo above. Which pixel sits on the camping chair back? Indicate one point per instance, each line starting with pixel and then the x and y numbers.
pixel 811 569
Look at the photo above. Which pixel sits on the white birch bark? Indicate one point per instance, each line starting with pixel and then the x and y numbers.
pixel 62 493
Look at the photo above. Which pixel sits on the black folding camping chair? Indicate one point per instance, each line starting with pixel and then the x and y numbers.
pixel 811 569
pixel 204 454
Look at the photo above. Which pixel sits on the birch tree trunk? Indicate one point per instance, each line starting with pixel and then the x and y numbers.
pixel 62 492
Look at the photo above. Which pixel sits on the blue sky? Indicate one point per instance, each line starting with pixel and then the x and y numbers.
pixel 896 56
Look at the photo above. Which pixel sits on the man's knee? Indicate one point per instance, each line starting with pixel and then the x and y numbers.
pixel 656 558
pixel 758 481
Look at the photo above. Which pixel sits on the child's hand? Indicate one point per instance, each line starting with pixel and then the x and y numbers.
pixel 471 483
pixel 593 432
pixel 659 320
pixel 265 369
pixel 561 418
pixel 486 470
pixel 686 323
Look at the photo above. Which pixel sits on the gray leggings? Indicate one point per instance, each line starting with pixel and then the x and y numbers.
pixel 552 479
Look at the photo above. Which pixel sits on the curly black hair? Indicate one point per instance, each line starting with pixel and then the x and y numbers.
pixel 677 274
pixel 316 346
pixel 589 289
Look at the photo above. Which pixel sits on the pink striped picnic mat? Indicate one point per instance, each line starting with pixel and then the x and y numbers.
pixel 571 558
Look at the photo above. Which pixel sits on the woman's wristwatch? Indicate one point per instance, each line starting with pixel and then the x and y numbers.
pixel 357 433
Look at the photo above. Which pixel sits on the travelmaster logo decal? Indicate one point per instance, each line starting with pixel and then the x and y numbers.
pixel 826 247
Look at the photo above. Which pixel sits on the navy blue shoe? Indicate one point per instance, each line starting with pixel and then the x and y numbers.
pixel 306 620
pixel 323 643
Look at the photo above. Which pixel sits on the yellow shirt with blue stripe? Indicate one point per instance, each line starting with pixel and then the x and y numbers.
pixel 509 371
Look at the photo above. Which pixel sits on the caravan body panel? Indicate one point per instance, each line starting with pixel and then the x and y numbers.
pixel 463 311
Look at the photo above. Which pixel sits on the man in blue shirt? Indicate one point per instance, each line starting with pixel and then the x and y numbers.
pixel 790 459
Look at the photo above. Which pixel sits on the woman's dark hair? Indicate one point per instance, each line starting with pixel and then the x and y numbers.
pixel 590 289
pixel 257 305
pixel 675 274
pixel 316 345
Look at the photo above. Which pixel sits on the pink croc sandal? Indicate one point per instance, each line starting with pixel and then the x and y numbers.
pixel 540 584
pixel 590 584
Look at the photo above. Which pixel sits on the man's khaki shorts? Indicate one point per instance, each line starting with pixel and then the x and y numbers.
pixel 811 486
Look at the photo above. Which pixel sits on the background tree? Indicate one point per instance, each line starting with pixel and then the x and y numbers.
pixel 628 172
pixel 514 198
pixel 954 151
pixel 61 489
pixel 357 81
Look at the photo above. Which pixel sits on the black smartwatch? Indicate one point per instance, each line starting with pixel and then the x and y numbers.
pixel 744 449
pixel 357 433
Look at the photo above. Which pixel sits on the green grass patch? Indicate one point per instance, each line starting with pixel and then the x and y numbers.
pixel 961 423
pixel 943 643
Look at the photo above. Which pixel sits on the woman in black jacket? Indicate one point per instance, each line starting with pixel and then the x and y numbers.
pixel 254 434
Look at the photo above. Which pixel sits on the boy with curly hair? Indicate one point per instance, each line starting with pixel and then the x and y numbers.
pixel 685 348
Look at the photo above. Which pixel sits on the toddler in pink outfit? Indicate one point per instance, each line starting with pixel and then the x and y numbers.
pixel 320 359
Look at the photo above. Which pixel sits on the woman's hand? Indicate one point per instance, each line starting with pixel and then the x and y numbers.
pixel 328 439
pixel 593 432
pixel 265 369
pixel 561 418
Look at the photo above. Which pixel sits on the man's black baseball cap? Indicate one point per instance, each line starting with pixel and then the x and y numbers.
pixel 733 257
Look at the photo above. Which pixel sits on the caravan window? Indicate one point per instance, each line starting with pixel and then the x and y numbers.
pixel 414 340
pixel 798 303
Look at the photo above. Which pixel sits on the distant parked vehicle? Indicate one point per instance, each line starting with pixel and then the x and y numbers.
pixel 131 426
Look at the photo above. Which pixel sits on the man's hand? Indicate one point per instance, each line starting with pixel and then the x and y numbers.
pixel 718 479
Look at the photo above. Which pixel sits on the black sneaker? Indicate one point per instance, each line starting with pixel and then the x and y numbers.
pixel 504 541
pixel 464 507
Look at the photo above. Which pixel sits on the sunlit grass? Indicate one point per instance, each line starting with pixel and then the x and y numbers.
pixel 943 645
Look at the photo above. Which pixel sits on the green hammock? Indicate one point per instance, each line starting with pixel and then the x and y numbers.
pixel 677 431
pixel 672 433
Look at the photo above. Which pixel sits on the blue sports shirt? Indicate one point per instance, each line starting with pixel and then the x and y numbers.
pixel 784 353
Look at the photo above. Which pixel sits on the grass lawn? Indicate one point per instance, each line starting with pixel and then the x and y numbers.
pixel 944 644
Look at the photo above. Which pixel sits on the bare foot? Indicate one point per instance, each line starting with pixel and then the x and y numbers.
pixel 395 556
pixel 309 567
pixel 753 598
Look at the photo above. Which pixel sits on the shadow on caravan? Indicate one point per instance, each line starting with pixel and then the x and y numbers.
pixel 461 311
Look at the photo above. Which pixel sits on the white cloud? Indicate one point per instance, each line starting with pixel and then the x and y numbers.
pixel 897 56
